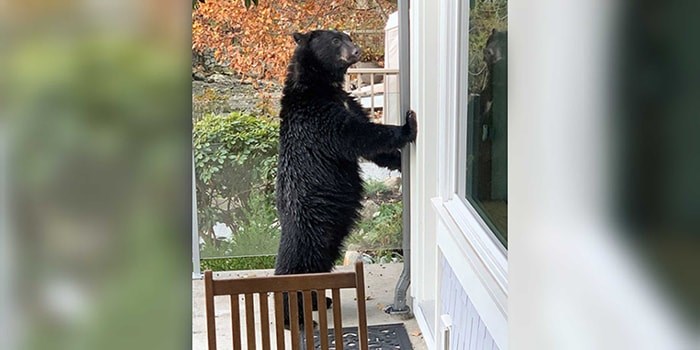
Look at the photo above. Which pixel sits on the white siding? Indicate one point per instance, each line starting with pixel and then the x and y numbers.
pixel 469 331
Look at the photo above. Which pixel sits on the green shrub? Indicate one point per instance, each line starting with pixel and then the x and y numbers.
pixel 380 232
pixel 375 188
pixel 235 163
pixel 238 263
pixel 259 231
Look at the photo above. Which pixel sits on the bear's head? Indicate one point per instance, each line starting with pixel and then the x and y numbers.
pixel 326 53
pixel 496 48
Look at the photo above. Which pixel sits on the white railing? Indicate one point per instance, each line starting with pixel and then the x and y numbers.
pixel 377 89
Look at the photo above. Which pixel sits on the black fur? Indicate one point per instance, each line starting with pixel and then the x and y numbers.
pixel 323 133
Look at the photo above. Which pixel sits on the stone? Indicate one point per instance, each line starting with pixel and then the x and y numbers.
pixel 393 182
pixel 351 256
pixel 198 76
pixel 369 207
pixel 218 78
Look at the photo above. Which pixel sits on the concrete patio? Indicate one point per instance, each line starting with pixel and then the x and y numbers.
pixel 380 280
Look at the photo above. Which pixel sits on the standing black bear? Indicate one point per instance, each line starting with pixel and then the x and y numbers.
pixel 323 133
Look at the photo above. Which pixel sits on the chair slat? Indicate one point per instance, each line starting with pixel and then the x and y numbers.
pixel 279 320
pixel 294 318
pixel 322 318
pixel 308 321
pixel 361 306
pixel 264 321
pixel 209 299
pixel 285 283
pixel 250 321
pixel 236 322
pixel 337 320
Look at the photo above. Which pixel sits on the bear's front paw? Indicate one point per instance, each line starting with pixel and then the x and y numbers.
pixel 411 126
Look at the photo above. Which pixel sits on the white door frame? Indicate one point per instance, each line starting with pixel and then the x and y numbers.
pixel 448 225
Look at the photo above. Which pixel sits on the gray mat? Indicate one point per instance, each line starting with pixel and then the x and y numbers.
pixel 381 337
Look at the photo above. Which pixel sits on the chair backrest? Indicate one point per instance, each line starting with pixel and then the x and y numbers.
pixel 291 284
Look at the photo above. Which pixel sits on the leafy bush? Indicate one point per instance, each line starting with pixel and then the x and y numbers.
pixel 239 263
pixel 376 188
pixel 378 234
pixel 235 163
pixel 258 230
pixel 382 230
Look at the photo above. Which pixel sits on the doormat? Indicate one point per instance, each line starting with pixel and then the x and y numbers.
pixel 381 337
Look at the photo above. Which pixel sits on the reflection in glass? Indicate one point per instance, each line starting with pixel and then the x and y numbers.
pixel 487 115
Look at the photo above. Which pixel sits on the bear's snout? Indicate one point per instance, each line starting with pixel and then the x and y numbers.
pixel 352 54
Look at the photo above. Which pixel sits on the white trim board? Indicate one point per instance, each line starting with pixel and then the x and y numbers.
pixel 423 325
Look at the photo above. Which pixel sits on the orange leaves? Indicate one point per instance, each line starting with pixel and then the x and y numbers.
pixel 257 42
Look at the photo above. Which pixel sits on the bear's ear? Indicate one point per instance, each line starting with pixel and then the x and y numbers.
pixel 298 37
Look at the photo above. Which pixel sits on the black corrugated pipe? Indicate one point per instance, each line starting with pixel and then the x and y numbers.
pixel 400 306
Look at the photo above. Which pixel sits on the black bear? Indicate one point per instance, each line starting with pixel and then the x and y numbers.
pixel 323 133
pixel 495 52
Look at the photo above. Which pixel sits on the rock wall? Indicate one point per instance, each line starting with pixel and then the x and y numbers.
pixel 216 90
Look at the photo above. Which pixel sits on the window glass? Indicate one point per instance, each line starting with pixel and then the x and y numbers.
pixel 487 114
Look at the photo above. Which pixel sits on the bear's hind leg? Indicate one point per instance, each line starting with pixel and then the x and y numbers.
pixel 300 309
pixel 314 300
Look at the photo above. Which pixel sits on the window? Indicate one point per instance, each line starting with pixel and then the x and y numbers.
pixel 485 116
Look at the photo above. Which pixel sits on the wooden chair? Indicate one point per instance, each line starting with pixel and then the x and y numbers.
pixel 304 283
